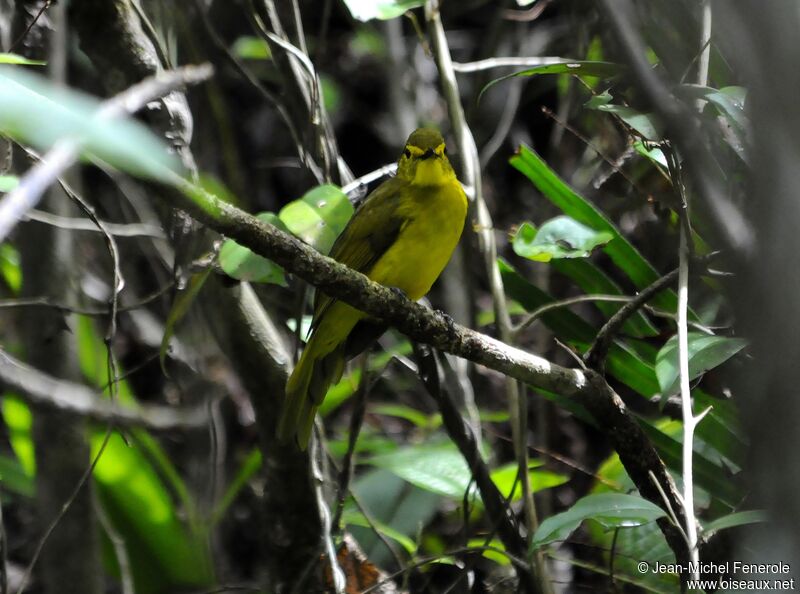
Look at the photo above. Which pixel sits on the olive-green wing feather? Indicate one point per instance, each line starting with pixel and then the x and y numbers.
pixel 372 229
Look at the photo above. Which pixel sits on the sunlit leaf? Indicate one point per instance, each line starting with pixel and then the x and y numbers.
pixel 561 237
pixel 251 48
pixel 319 216
pixel 612 510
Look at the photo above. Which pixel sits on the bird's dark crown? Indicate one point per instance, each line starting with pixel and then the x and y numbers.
pixel 425 139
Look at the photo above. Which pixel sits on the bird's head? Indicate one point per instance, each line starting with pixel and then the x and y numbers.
pixel 424 161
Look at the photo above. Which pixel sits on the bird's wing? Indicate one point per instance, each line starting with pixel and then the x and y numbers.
pixel 372 229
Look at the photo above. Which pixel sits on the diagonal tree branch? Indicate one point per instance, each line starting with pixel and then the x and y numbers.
pixel 587 387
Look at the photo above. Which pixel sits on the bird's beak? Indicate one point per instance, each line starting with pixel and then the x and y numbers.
pixel 428 154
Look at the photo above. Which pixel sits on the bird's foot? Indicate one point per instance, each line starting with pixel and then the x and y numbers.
pixel 449 321
pixel 399 292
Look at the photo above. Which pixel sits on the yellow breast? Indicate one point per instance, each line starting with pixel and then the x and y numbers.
pixel 434 221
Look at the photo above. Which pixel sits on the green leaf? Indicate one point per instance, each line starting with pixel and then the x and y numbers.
pixel 440 468
pixel 8 182
pixel 251 48
pixel 561 237
pixel 742 518
pixel 705 352
pixel 319 216
pixel 505 478
pixel 588 68
pixel 19 422
pixel 709 476
pixel 9 267
pixel 729 102
pixel 612 510
pixel 640 122
pixel 36 112
pixel 352 517
pixel 619 249
pixel 407 413
pixel 365 10
pixel 240 263
pixel 16 59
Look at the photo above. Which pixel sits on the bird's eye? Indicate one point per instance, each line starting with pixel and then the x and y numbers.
pixel 407 153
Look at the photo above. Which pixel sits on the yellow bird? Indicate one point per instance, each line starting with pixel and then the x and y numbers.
pixel 402 236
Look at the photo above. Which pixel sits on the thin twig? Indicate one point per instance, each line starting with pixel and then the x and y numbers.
pixel 80 224
pixel 338 577
pixel 490 63
pixel 596 355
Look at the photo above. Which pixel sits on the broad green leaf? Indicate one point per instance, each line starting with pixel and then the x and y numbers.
pixel 438 468
pixel 561 237
pixel 621 252
pixel 612 510
pixel 240 263
pixel 742 518
pixel 641 122
pixel 8 182
pixel 37 112
pixel 365 10
pixel 319 216
pixel 577 67
pixel 251 48
pixel 441 469
pixel 705 352
pixel 17 60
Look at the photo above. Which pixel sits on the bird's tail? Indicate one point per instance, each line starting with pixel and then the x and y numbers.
pixel 315 372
